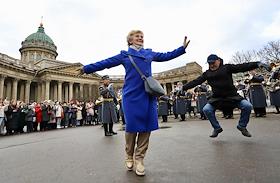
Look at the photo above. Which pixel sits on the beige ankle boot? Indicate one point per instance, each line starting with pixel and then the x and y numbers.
pixel 140 169
pixel 129 163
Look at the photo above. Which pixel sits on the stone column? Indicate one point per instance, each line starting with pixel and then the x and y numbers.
pixel 59 94
pixel 27 91
pixel 81 91
pixel 43 86
pixel 173 86
pixel 47 92
pixel 90 92
pixel 21 91
pixel 76 90
pixel 66 93
pixel 51 92
pixel 95 93
pixel 9 90
pixel 2 81
pixel 85 92
pixel 14 93
pixel 164 87
pixel 70 90
pixel 39 92
pixel 55 91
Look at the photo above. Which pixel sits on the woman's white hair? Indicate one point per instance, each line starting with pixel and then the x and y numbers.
pixel 130 34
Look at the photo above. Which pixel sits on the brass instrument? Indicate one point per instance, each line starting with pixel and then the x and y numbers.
pixel 97 102
pixel 273 85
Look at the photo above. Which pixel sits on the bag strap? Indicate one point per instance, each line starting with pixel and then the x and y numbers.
pixel 137 68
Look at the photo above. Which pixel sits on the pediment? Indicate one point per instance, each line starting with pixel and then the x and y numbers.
pixel 48 63
pixel 70 69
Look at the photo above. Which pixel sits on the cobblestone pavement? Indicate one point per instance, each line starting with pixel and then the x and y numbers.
pixel 178 152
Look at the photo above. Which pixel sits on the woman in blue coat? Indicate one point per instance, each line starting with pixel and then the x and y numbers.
pixel 140 109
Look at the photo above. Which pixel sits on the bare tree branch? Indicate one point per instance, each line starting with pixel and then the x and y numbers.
pixel 270 52
pixel 243 57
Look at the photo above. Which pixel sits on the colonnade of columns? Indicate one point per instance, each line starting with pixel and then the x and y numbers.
pixel 26 90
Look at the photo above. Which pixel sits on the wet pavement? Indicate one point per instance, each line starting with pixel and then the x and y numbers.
pixel 178 152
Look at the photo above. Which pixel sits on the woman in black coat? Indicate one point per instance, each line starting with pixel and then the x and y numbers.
pixel 13 116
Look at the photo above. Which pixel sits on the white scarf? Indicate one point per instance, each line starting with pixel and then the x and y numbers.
pixel 136 47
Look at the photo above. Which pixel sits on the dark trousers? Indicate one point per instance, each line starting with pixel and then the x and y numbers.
pixel 164 118
pixel 183 117
pixel 191 109
pixel 35 126
pixel 43 125
pixel 123 120
pixel 202 116
pixel 89 119
pixel 260 112
pixel 29 125
pixel 277 109
pixel 108 127
pixel 72 122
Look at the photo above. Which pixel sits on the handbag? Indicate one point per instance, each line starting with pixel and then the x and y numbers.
pixel 152 86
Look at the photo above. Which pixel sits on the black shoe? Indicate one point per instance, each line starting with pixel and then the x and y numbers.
pixel 244 131
pixel 113 133
pixel 108 134
pixel 216 132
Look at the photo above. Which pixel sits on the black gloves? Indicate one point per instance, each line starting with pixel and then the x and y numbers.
pixel 264 65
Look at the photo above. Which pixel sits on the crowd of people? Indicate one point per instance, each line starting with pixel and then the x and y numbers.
pixel 18 117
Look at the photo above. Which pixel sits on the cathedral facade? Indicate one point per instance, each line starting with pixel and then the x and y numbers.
pixel 38 76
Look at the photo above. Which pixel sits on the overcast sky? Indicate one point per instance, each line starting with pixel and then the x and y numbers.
pixel 87 31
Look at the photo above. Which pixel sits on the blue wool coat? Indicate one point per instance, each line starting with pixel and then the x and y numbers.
pixel 140 109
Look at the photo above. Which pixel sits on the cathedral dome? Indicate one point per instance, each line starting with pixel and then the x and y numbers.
pixel 40 43
pixel 40 35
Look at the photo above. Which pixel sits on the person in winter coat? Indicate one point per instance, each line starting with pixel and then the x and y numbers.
pixel 45 116
pixel 140 108
pixel 38 114
pixel 219 77
pixel 109 115
pixel 163 107
pixel 274 85
pixel 13 116
pixel 90 112
pixel 22 122
pixel 29 114
pixel 65 120
pixel 3 107
pixel 256 93
pixel 79 114
pixel 58 113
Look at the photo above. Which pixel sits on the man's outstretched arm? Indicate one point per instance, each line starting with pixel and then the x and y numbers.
pixel 194 82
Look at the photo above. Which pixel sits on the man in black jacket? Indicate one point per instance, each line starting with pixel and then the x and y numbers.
pixel 219 77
